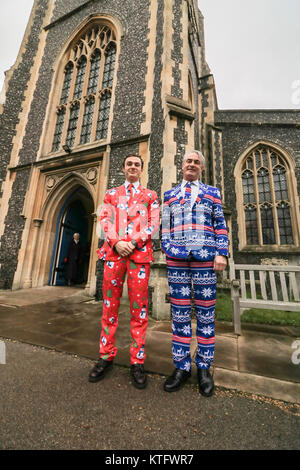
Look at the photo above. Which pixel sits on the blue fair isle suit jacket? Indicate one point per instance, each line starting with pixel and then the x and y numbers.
pixel 200 232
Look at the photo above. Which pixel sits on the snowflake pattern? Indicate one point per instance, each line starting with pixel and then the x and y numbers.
pixel 186 330
pixel 203 253
pixel 180 280
pixel 207 330
pixel 185 291
pixel 187 366
pixel 202 245
pixel 207 292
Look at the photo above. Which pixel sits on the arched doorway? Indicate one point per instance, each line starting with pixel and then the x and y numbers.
pixel 75 216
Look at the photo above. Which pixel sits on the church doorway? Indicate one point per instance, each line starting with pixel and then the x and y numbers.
pixel 75 216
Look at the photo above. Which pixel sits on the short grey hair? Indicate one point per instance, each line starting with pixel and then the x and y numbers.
pixel 76 234
pixel 197 152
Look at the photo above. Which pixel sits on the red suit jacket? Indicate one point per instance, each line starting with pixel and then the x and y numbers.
pixel 136 219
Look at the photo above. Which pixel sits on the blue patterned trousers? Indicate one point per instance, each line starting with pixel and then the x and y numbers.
pixel 182 276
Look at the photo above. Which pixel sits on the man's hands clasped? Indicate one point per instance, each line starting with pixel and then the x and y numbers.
pixel 124 248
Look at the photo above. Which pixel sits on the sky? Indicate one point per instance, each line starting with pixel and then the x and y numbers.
pixel 252 49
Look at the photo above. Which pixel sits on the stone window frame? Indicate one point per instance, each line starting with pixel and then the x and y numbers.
pixel 55 103
pixel 292 201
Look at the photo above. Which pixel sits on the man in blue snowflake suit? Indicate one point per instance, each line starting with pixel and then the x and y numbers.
pixel 194 239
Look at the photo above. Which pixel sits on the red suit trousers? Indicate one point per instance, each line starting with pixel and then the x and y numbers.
pixel 137 283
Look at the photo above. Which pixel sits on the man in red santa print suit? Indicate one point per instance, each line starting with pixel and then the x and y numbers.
pixel 129 219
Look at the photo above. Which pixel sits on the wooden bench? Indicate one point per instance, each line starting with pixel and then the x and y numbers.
pixel 277 286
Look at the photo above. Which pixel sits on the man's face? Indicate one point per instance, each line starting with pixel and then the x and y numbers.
pixel 192 167
pixel 132 169
pixel 76 237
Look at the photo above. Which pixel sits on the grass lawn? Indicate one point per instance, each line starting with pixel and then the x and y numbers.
pixel 254 315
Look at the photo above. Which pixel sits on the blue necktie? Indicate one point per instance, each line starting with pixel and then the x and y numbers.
pixel 188 193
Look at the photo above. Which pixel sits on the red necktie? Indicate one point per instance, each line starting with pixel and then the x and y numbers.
pixel 130 189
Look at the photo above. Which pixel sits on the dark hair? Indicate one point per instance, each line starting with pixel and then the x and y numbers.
pixel 133 155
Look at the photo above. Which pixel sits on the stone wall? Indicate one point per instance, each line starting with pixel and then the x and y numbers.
pixel 241 129
pixel 9 120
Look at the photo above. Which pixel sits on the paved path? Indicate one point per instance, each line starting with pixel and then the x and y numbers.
pixel 65 319
pixel 48 403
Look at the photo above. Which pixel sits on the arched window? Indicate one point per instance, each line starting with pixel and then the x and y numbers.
pixel 267 198
pixel 82 115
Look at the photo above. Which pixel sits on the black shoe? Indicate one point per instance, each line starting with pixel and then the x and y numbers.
pixel 205 382
pixel 99 370
pixel 138 375
pixel 176 380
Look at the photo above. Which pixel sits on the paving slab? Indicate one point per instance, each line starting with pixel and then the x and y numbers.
pixel 38 295
pixel 268 355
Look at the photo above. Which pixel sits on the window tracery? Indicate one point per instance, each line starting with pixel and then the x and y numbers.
pixel 86 89
pixel 267 203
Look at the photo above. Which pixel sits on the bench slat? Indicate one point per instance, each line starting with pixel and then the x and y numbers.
pixel 290 290
pixel 294 286
pixel 284 287
pixel 267 267
pixel 231 270
pixel 252 284
pixel 243 284
pixel 288 306
pixel 273 286
pixel 262 279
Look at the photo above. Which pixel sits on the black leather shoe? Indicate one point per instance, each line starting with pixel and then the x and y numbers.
pixel 99 370
pixel 176 380
pixel 138 375
pixel 205 382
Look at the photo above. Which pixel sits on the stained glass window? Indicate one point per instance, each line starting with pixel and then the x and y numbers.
pixel 251 225
pixel 94 73
pixel 248 186
pixel 102 124
pixel 67 83
pixel 263 184
pixel 267 224
pixel 71 134
pixel 80 78
pixel 285 223
pixel 108 74
pixel 267 208
pixel 58 128
pixel 280 184
pixel 87 121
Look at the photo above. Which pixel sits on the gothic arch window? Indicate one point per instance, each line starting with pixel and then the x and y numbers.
pixel 82 114
pixel 268 205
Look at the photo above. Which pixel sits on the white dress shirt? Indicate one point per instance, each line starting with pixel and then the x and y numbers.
pixel 135 186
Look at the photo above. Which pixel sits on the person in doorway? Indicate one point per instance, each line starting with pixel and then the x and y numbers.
pixel 129 218
pixel 194 239
pixel 73 259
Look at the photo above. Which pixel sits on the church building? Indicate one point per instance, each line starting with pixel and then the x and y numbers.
pixel 97 79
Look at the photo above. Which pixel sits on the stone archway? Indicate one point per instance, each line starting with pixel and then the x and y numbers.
pixel 75 216
pixel 56 194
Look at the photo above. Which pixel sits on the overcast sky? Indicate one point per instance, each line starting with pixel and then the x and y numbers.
pixel 252 48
